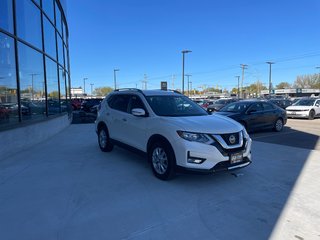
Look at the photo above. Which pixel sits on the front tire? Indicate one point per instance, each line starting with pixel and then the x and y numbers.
pixel 278 125
pixel 162 159
pixel 104 139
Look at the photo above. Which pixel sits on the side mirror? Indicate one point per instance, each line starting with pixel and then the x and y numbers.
pixel 138 112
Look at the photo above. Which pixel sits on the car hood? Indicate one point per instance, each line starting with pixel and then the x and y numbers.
pixel 213 124
pixel 299 108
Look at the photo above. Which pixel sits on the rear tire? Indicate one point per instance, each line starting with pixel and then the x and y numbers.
pixel 311 114
pixel 278 125
pixel 162 160
pixel 104 139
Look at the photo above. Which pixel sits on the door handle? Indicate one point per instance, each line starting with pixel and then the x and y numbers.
pixel 123 119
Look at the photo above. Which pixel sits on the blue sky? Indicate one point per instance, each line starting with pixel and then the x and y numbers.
pixel 146 37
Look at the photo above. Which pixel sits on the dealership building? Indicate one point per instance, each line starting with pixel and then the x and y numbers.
pixel 34 72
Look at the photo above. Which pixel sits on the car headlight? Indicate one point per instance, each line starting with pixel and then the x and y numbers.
pixel 245 134
pixel 196 137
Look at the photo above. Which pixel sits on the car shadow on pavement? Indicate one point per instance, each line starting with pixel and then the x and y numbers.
pixel 114 195
pixel 79 117
pixel 288 137
pixel 248 203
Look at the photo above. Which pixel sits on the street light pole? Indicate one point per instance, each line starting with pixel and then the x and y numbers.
pixel 84 85
pixel 32 83
pixel 115 78
pixel 243 66
pixel 91 84
pixel 238 86
pixel 270 82
pixel 318 73
pixel 183 53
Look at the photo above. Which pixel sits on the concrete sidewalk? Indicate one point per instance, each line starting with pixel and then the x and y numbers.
pixel 66 188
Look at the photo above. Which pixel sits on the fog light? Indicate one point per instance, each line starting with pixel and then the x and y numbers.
pixel 195 160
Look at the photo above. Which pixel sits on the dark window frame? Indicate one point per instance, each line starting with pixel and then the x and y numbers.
pixel 65 66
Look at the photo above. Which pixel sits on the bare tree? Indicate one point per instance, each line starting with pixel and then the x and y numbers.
pixel 307 81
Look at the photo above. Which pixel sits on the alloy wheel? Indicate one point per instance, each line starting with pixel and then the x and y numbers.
pixel 160 160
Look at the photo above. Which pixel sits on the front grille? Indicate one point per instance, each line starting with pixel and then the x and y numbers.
pixel 227 152
pixel 298 110
pixel 227 137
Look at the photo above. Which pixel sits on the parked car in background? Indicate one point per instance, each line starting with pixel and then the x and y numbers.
pixel 304 108
pixel 256 114
pixel 88 104
pixel 218 104
pixel 4 112
pixel 207 103
pixel 283 103
pixel 172 131
pixel 76 103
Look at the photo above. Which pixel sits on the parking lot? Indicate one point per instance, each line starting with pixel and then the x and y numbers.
pixel 299 133
pixel 66 188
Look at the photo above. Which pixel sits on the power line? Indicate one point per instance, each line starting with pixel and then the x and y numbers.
pixel 243 66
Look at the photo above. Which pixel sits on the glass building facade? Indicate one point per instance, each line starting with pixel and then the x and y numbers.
pixel 34 61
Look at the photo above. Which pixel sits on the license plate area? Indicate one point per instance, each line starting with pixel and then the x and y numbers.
pixel 236 158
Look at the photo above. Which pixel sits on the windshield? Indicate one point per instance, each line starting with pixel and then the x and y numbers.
pixel 305 102
pixel 221 101
pixel 235 107
pixel 175 106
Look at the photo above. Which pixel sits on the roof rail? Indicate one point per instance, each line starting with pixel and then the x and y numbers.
pixel 176 91
pixel 128 89
pixel 171 90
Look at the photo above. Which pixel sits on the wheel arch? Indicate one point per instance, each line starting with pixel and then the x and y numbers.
pixel 101 125
pixel 159 138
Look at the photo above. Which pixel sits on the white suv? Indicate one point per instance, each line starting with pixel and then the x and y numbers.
pixel 173 131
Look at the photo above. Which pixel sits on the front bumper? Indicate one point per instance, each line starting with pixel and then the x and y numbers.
pixel 298 114
pixel 220 167
pixel 215 157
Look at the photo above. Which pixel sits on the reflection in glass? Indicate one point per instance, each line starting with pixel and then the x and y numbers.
pixel 28 22
pixel 6 18
pixel 64 32
pixel 52 87
pixel 32 85
pixel 48 8
pixel 8 85
pixel 49 38
pixel 66 58
pixel 60 50
pixel 58 19
pixel 68 92
pixel 63 95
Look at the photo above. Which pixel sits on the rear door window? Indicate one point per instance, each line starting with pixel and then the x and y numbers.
pixel 267 107
pixel 119 102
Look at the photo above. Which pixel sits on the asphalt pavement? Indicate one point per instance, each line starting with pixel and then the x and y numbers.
pixel 66 188
pixel 301 133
